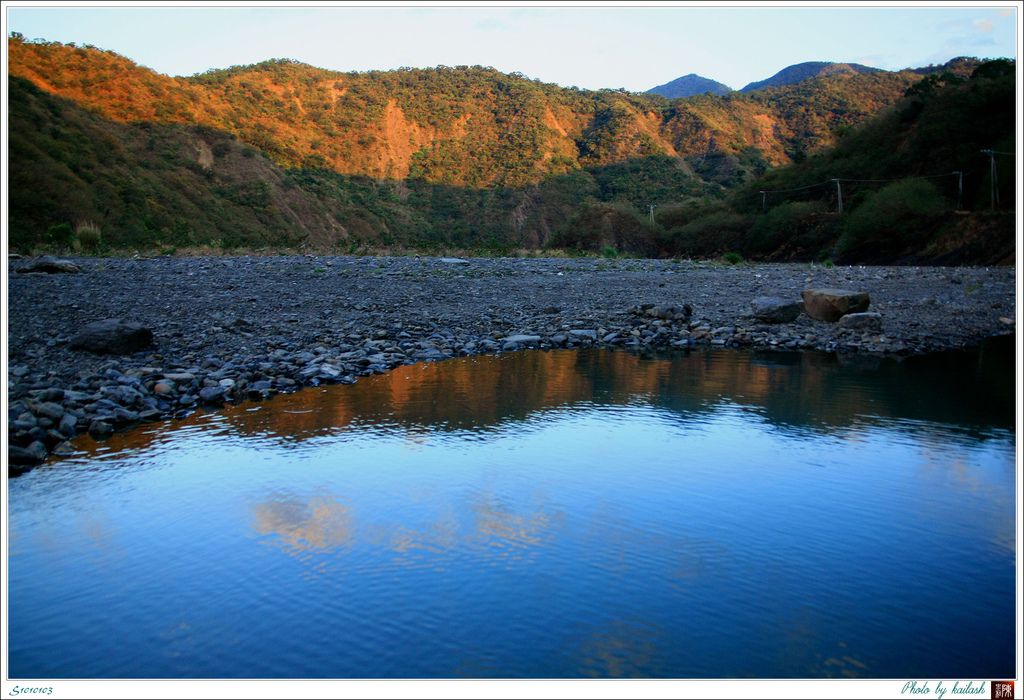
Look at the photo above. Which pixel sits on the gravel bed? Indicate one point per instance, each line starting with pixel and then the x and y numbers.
pixel 232 328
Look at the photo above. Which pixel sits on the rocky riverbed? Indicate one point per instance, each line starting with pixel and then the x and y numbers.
pixel 233 328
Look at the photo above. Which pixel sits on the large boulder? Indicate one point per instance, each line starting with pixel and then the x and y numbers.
pixel 112 336
pixel 832 304
pixel 775 309
pixel 50 265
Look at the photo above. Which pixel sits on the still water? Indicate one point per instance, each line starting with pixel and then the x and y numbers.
pixel 561 514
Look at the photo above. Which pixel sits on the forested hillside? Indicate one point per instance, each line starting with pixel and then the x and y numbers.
pixel 465 126
pixel 285 155
pixel 916 184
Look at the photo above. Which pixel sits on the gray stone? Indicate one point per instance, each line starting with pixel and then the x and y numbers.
pixel 52 394
pixel 68 424
pixel 775 309
pixel 669 312
pixel 54 437
pixel 26 455
pixel 583 333
pixel 50 265
pixel 100 429
pixel 863 321
pixel 453 261
pixel 53 411
pixel 63 449
pixel 122 416
pixel 212 394
pixel 522 339
pixel 832 304
pixel 429 354
pixel 112 336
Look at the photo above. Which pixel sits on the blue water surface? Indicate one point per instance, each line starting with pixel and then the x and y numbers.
pixel 561 514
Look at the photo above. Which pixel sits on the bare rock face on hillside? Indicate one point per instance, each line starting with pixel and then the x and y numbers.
pixel 832 304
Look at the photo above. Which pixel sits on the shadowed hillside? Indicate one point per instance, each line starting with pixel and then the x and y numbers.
pixel 916 185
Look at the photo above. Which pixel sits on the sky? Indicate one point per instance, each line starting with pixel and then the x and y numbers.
pixel 633 47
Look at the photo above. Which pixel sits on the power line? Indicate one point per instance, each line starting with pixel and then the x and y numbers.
pixel 797 189
pixel 896 179
pixel 851 179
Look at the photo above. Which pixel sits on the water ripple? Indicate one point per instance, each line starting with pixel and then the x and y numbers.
pixel 554 515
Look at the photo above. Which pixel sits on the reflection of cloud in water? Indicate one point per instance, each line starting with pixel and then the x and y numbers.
pixel 620 650
pixel 321 523
pixel 501 528
pixel 627 546
pixel 950 466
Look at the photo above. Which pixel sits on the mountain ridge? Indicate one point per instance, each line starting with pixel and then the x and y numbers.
pixel 689 85
pixel 285 154
pixel 464 126
pixel 798 72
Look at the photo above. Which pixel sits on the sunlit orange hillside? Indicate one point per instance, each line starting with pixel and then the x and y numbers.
pixel 285 155
pixel 465 126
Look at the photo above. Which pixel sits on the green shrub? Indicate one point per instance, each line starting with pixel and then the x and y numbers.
pixel 89 236
pixel 600 226
pixel 675 215
pixel 708 236
pixel 733 258
pixel 60 235
pixel 783 224
pixel 897 218
pixel 609 252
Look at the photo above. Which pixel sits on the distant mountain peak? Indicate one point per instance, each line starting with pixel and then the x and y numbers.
pixel 807 70
pixel 689 85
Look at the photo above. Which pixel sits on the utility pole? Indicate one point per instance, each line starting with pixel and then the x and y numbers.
pixel 993 176
pixel 959 188
pixel 764 206
pixel 839 195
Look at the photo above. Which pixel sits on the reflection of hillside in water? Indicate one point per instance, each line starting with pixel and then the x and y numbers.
pixel 797 390
pixel 811 391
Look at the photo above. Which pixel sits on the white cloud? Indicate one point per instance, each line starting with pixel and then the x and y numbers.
pixel 984 25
